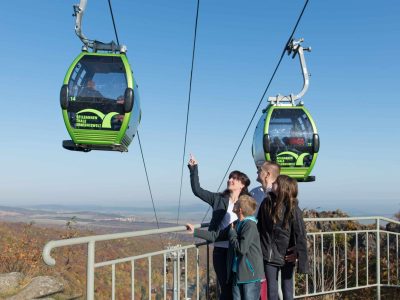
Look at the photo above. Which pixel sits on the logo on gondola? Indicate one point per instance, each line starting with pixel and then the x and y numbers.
pixel 92 118
pixel 291 159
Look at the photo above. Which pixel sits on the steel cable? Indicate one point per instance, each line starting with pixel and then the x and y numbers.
pixel 140 144
pixel 262 97
pixel 112 17
pixel 188 109
pixel 148 184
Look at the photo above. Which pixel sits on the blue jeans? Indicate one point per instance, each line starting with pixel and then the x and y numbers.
pixel 271 273
pixel 246 291
pixel 220 267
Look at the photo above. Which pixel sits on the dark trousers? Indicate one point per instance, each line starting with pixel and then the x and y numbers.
pixel 271 273
pixel 219 260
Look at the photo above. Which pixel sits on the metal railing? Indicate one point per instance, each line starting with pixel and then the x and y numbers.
pixel 176 255
pixel 342 256
pixel 345 254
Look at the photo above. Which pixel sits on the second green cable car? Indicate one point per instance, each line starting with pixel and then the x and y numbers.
pixel 286 133
pixel 288 136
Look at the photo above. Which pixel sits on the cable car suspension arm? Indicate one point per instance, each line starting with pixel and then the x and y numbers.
pixel 79 9
pixel 295 48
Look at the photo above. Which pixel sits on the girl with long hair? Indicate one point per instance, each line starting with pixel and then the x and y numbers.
pixel 283 236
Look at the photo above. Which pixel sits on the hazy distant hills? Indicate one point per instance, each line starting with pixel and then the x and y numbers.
pixel 101 208
pixel 122 218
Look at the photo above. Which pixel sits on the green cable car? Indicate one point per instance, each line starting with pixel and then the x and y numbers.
pixel 99 97
pixel 100 103
pixel 286 133
pixel 288 136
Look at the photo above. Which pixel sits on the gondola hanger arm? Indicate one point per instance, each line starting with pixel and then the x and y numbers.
pixel 295 48
pixel 79 10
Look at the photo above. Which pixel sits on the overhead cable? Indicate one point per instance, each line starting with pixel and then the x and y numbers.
pixel 262 98
pixel 188 109
pixel 140 144
pixel 148 181
pixel 112 17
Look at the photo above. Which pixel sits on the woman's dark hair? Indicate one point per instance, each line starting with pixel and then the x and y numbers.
pixel 286 200
pixel 243 178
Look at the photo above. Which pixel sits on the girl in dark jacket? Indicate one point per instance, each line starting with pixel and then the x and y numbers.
pixel 222 216
pixel 283 236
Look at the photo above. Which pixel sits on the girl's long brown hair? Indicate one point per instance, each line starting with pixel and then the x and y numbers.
pixel 286 200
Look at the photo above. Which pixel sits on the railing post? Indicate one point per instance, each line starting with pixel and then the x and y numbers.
pixel 367 251
pixel 208 272
pixel 388 256
pixel 322 264
pixel 133 278
pixel 175 279
pixel 149 262
pixel 178 275
pixel 315 266
pixel 345 261
pixel 197 273
pixel 378 260
pixel 356 259
pixel 90 271
pixel 186 272
pixel 397 259
pixel 334 262
pixel 113 282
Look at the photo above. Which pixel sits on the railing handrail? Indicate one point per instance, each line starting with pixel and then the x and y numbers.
pixel 149 254
pixel 343 219
pixel 105 237
pixel 378 229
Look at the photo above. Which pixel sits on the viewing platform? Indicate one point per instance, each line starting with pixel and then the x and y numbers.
pixel 347 255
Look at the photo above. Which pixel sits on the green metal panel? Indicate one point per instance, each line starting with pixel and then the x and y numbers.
pixel 266 127
pixel 68 125
pixel 124 127
pixel 309 169
pixel 129 74
pixel 312 164
pixel 96 137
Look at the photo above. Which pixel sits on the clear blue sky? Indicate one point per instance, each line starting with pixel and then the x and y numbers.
pixel 353 97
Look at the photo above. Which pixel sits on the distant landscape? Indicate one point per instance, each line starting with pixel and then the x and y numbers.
pixel 109 219
pixel 95 217
pixel 25 231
